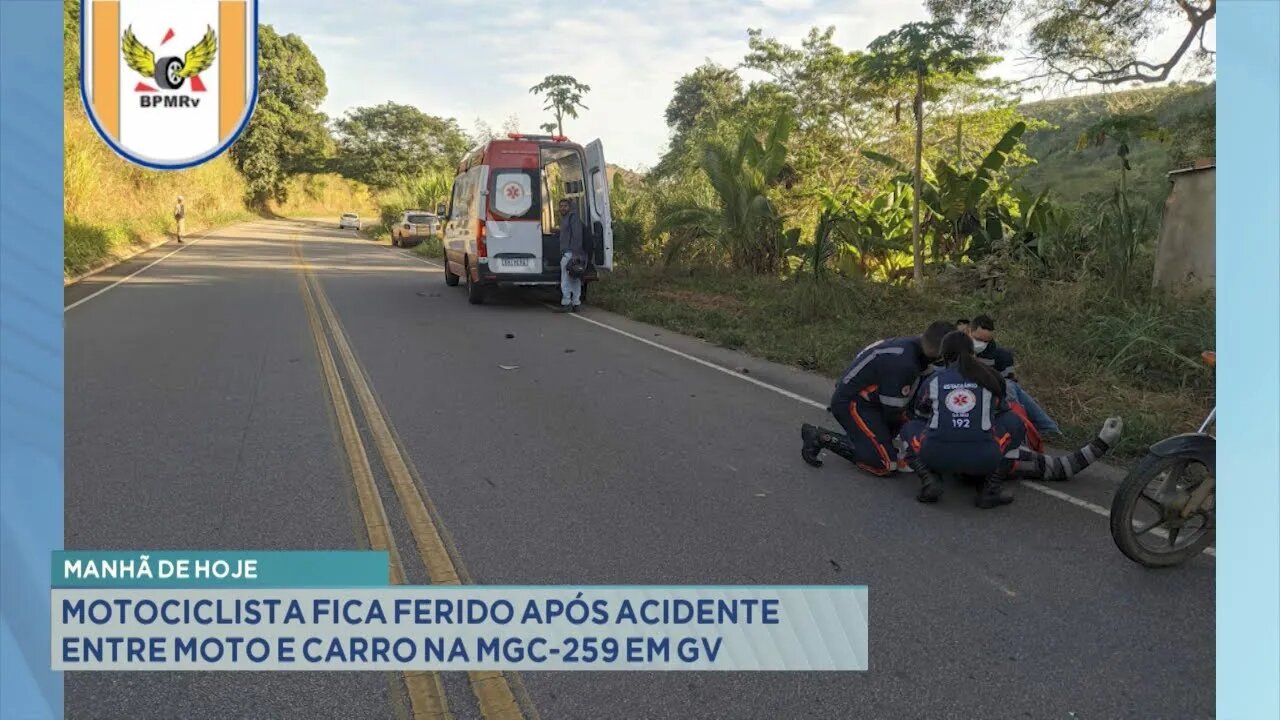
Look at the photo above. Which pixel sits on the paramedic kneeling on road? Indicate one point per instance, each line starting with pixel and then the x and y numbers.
pixel 870 401
pixel 571 248
pixel 965 426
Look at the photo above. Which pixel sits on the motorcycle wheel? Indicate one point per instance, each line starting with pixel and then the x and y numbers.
pixel 1158 488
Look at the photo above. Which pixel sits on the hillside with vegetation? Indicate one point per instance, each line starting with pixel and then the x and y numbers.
pixel 845 196
pixel 1186 112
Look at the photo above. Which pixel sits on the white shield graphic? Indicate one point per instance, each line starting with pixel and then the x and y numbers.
pixel 169 84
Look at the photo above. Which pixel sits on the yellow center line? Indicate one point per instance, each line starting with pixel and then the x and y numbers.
pixel 426 693
pixel 492 689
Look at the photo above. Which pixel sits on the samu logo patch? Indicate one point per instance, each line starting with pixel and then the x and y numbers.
pixel 169 85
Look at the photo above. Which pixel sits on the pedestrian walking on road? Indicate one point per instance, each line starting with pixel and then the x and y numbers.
pixel 179 218
pixel 572 257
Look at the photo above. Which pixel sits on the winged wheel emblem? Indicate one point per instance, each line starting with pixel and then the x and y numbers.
pixel 170 72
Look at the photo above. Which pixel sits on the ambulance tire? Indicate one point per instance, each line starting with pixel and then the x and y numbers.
pixel 166 74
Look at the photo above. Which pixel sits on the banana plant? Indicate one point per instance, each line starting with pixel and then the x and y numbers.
pixel 1023 222
pixel 957 200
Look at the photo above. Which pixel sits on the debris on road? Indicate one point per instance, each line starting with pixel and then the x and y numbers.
pixel 511 336
pixel 569 350
pixel 835 565
pixel 743 370
pixel 509 367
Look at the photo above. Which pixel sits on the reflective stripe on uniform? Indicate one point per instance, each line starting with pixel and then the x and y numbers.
pixel 933 395
pixel 986 409
pixel 892 401
pixel 853 371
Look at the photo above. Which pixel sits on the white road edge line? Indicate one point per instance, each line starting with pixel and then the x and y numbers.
pixel 1072 499
pixel 194 239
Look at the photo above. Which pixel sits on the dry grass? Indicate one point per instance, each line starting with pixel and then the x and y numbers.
pixel 319 195
pixel 112 208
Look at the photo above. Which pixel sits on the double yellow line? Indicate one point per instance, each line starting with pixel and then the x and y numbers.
pixel 426 692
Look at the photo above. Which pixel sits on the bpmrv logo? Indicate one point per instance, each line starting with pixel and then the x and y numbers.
pixel 169 84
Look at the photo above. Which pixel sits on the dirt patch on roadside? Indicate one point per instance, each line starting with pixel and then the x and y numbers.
pixel 702 301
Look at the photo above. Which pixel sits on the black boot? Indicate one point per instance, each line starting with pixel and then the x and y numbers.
pixel 811 448
pixel 930 483
pixel 993 493
pixel 824 439
pixel 838 443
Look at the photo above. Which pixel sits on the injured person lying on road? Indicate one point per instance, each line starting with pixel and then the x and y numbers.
pixel 959 423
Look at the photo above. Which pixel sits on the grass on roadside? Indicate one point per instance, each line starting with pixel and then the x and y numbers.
pixel 112 208
pixel 1081 360
pixel 328 194
pixel 430 248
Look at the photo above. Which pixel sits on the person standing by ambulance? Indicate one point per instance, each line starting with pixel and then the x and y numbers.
pixel 571 251
pixel 180 218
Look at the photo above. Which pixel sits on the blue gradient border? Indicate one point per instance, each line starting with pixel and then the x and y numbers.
pixel 31 367
pixel 30 349
pixel 1248 267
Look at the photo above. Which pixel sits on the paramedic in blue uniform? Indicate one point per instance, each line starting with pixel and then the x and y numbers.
pixel 963 426
pixel 870 401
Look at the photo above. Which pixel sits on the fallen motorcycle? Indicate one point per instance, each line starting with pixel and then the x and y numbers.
pixel 1163 513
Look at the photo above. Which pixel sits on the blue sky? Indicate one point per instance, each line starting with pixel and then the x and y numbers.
pixel 470 59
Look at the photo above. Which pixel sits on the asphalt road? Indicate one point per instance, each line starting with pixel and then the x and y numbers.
pixel 198 417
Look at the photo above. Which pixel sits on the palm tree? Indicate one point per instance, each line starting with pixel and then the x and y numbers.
pixel 745 223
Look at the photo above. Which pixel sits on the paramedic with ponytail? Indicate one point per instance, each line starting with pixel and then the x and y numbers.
pixel 963 426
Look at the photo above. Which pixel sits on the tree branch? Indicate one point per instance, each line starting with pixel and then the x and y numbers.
pixel 1135 70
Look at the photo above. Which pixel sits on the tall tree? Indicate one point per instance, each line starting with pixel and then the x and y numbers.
pixel 383 144
pixel 928 58
pixel 563 94
pixel 834 109
pixel 288 133
pixel 703 100
pixel 709 91
pixel 1104 42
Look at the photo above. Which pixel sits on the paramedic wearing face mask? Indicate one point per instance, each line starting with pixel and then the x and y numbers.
pixel 983 331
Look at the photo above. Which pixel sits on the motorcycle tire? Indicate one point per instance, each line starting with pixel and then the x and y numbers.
pixel 1126 501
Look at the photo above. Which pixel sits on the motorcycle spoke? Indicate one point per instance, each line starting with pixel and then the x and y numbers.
pixel 1159 506
pixel 1147 529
